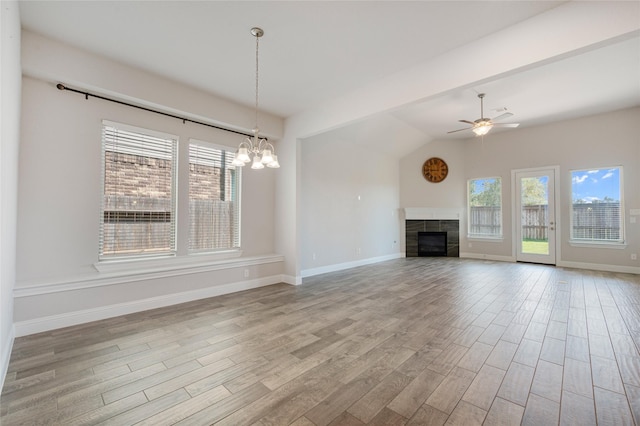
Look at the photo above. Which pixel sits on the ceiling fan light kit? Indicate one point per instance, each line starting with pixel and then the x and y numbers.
pixel 482 128
pixel 483 125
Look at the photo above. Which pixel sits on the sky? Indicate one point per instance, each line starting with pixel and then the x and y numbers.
pixel 594 185
pixel 587 185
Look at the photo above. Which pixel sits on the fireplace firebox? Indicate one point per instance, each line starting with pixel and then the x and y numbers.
pixel 432 244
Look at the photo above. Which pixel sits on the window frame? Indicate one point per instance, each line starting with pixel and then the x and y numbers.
pixel 173 157
pixel 478 236
pixel 594 242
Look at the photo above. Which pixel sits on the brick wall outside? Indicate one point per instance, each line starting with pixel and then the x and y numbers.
pixel 204 182
pixel 129 175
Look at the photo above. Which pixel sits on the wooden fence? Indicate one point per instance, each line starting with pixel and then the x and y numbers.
pixel 590 221
pixel 598 221
pixel 144 225
pixel 485 220
pixel 212 225
pixel 534 222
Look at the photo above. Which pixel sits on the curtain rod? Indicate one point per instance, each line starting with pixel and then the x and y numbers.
pixel 61 86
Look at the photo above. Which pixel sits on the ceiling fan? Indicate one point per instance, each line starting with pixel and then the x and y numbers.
pixel 482 125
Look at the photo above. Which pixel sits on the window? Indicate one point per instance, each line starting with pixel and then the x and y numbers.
pixel 485 207
pixel 214 207
pixel 596 208
pixel 138 203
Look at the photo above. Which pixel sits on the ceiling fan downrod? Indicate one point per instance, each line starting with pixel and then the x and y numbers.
pixel 481 96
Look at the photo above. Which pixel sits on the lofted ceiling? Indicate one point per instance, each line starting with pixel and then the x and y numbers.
pixel 316 51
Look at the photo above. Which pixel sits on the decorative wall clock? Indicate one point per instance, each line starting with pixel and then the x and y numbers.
pixel 435 169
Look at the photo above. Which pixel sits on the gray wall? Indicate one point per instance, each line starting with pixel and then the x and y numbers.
pixel 348 203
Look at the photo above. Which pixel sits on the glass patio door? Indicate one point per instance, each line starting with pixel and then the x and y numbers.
pixel 535 216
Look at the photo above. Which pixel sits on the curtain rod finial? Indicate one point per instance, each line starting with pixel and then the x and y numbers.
pixel 60 86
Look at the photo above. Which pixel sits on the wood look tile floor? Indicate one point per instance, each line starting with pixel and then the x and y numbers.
pixel 414 341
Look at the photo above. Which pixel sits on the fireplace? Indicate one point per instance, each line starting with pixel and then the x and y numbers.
pixel 432 243
pixel 435 228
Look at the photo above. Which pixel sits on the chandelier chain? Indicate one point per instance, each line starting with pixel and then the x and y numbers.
pixel 257 79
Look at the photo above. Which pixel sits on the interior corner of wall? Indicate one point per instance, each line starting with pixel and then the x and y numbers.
pixel 5 355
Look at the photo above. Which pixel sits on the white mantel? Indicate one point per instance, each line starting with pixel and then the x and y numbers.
pixel 432 213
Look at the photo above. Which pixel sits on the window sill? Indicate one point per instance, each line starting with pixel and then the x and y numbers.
pixel 598 245
pixel 164 263
pixel 485 239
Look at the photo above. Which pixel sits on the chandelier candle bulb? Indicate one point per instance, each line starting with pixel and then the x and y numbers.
pixel 274 164
pixel 257 164
pixel 266 156
pixel 243 155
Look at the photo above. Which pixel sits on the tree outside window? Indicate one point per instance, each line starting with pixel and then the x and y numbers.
pixel 485 207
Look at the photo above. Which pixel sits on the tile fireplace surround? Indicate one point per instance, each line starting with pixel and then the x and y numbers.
pixel 424 219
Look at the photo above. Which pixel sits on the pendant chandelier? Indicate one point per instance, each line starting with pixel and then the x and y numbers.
pixel 257 150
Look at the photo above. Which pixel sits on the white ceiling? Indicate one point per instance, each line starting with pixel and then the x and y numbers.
pixel 596 81
pixel 315 51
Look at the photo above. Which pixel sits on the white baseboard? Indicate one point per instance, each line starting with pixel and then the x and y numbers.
pixel 38 325
pixel 482 256
pixel 561 263
pixel 348 265
pixel 600 267
pixel 290 279
pixel 7 347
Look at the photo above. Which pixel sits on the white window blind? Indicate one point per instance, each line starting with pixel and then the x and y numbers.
pixel 596 208
pixel 138 215
pixel 484 203
pixel 214 202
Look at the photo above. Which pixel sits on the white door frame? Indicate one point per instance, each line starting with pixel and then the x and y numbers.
pixel 514 212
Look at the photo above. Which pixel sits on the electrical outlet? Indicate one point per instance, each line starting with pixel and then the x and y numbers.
pixel 246 273
pixel 634 256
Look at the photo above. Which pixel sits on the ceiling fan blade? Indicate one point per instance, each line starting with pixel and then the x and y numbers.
pixel 459 130
pixel 502 116
pixel 468 122
pixel 506 124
